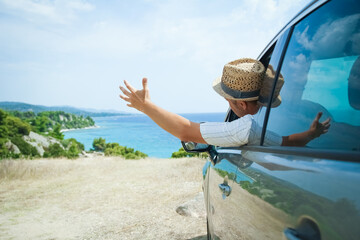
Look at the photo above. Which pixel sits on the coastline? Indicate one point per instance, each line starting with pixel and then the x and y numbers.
pixel 72 129
pixel 138 132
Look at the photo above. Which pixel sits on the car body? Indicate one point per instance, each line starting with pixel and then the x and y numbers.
pixel 311 192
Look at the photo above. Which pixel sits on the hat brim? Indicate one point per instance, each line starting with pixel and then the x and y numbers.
pixel 274 104
pixel 217 87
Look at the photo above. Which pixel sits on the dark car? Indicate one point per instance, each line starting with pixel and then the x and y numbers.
pixel 311 192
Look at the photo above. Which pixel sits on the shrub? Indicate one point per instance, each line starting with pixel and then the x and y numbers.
pixel 73 151
pixel 74 148
pixel 4 132
pixel 3 116
pixel 54 150
pixel 24 147
pixel 99 144
pixel 56 132
pixel 4 152
pixel 114 149
pixel 68 142
pixel 17 127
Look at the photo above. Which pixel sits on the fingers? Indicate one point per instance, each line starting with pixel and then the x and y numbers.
pixel 327 121
pixel 318 116
pixel 124 98
pixel 131 88
pixel 125 91
pixel 144 83
pixel 326 124
pixel 135 98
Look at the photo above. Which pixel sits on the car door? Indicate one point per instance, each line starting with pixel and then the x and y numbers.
pixel 222 178
pixel 308 192
pixel 220 181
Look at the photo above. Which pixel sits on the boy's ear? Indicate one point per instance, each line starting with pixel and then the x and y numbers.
pixel 241 104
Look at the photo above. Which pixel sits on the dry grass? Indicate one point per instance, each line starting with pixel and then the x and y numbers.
pixel 99 198
pixel 32 169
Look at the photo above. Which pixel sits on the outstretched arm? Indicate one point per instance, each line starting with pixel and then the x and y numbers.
pixel 176 125
pixel 316 130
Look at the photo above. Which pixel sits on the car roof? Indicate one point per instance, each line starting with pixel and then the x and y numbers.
pixel 312 6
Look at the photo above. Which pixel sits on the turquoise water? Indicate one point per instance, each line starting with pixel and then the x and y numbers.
pixel 139 132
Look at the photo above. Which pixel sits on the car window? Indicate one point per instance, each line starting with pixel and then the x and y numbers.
pixel 270 59
pixel 321 73
pixel 259 116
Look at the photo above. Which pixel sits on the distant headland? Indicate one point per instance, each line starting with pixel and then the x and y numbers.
pixel 25 107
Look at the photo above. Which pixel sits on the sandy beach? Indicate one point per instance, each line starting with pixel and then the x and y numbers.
pixel 100 198
pixel 73 129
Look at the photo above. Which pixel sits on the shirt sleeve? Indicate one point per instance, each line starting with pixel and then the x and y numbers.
pixel 271 138
pixel 227 134
pixel 237 133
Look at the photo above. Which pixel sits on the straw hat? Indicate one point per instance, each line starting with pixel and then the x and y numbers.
pixel 267 86
pixel 241 80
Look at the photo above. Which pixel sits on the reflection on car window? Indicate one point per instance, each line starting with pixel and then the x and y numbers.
pixel 321 72
pixel 334 94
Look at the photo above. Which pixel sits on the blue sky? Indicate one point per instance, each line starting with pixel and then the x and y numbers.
pixel 77 52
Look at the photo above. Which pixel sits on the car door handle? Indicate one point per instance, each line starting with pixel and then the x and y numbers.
pixel 225 190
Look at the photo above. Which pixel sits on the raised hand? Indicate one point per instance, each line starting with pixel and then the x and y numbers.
pixel 137 99
pixel 318 128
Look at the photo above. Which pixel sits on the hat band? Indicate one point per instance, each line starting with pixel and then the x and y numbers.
pixel 266 99
pixel 238 94
pixel 263 99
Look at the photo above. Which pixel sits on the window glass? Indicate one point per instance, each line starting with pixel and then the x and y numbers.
pixel 334 94
pixel 321 73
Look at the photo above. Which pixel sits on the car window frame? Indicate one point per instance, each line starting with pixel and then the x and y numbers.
pixel 277 67
pixel 340 155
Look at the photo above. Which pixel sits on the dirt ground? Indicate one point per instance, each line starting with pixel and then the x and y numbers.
pixel 99 198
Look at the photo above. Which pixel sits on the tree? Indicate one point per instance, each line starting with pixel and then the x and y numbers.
pixel 3 115
pixel 56 132
pixel 42 123
pixel 99 144
pixel 16 126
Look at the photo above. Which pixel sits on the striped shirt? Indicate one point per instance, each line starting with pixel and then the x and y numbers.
pixel 237 133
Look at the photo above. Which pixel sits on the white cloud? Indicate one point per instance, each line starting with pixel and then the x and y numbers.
pixel 331 37
pixel 175 30
pixel 171 29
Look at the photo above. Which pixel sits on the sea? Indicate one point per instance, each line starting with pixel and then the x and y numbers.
pixel 138 131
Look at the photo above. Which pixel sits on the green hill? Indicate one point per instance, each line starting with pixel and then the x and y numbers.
pixel 48 120
pixel 26 134
pixel 25 107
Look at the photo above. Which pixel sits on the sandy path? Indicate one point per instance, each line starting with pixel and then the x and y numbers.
pixel 99 198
